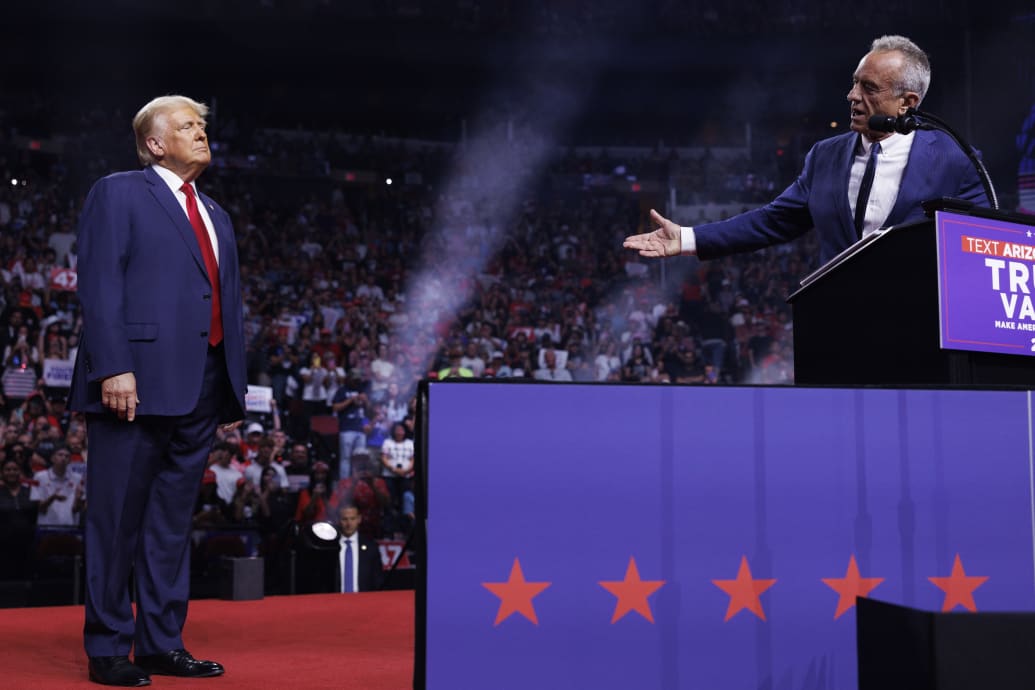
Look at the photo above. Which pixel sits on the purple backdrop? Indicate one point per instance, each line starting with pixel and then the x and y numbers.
pixel 575 480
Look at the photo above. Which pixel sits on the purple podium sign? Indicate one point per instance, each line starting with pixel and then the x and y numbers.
pixel 986 274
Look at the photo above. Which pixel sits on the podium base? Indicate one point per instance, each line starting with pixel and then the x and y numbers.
pixel 901 648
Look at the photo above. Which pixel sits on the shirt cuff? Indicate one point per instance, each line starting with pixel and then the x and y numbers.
pixel 687 241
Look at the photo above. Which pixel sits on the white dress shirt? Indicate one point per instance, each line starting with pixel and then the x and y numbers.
pixel 887 177
pixel 173 180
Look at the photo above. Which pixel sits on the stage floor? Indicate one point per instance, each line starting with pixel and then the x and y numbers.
pixel 362 641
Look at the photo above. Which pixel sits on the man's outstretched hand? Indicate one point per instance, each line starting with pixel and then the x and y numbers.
pixel 663 241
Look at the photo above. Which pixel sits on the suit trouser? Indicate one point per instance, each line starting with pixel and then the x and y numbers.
pixel 142 481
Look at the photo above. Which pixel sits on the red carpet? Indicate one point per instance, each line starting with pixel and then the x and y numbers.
pixel 362 641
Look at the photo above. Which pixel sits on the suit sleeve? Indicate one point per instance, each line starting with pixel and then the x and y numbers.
pixel 781 220
pixel 104 236
pixel 376 570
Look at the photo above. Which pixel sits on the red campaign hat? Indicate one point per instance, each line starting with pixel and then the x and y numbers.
pixel 242 481
pixel 209 477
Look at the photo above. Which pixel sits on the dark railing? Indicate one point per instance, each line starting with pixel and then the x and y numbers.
pixel 48 569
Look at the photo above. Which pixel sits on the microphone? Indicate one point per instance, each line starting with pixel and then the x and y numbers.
pixel 903 124
pixel 882 123
pixel 914 119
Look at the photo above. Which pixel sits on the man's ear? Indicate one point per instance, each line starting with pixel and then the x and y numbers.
pixel 910 99
pixel 155 146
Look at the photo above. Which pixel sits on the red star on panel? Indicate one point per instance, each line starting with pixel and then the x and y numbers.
pixel 744 591
pixel 958 587
pixel 850 586
pixel 632 593
pixel 516 595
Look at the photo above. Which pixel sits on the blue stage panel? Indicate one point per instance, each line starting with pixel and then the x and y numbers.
pixel 573 481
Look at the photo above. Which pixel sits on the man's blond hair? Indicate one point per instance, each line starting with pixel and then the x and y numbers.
pixel 144 121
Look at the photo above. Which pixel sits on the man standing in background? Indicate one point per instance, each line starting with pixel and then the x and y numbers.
pixel 359 559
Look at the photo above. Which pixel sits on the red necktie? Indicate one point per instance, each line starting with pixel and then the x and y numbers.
pixel 215 330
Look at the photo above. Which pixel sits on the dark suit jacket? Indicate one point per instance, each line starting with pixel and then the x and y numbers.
pixel 819 198
pixel 370 572
pixel 318 570
pixel 147 298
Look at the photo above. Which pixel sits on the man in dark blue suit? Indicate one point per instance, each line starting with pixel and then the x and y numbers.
pixel 902 171
pixel 160 365
pixel 360 570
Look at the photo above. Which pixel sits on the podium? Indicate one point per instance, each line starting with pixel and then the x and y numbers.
pixel 908 649
pixel 870 316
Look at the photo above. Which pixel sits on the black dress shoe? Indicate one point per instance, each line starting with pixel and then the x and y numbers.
pixel 178 662
pixel 117 670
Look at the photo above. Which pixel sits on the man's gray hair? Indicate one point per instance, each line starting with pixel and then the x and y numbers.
pixel 144 121
pixel 916 73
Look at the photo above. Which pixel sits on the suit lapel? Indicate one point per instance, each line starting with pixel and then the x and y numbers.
pixel 915 178
pixel 844 169
pixel 361 566
pixel 165 198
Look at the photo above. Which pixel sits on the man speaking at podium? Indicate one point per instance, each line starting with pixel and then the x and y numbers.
pixel 852 183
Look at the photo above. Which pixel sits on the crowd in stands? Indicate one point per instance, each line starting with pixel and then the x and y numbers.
pixel 340 333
